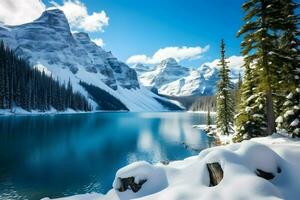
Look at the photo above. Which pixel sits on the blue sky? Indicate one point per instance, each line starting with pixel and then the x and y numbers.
pixel 146 31
pixel 145 26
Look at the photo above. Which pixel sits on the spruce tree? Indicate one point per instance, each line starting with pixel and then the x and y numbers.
pixel 237 95
pixel 225 106
pixel 288 54
pixel 208 118
pixel 251 119
pixel 260 45
pixel 26 87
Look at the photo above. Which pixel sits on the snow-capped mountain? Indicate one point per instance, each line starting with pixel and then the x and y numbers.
pixel 140 68
pixel 198 82
pixel 49 45
pixel 170 78
pixel 164 73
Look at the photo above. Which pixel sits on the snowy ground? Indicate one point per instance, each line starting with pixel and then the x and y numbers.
pixel 189 179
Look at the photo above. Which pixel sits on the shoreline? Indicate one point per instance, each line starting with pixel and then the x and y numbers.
pixel 189 179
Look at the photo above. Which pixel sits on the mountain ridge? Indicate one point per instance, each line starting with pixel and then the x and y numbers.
pixel 48 44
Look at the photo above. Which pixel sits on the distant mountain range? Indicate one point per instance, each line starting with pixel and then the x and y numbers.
pixel 170 78
pixel 50 46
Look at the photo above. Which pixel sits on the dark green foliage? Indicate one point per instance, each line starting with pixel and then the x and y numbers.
pixel 204 103
pixel 238 93
pixel 168 105
pixel 251 118
pixel 104 100
pixel 290 119
pixel 208 118
pixel 271 51
pixel 288 54
pixel 225 104
pixel 30 89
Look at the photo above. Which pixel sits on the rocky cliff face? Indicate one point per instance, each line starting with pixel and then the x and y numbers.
pixel 170 78
pixel 49 41
pixel 49 45
pixel 166 72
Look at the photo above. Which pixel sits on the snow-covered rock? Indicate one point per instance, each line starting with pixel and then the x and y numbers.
pixel 243 165
pixel 48 43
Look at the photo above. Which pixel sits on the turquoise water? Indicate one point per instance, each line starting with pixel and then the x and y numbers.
pixel 60 155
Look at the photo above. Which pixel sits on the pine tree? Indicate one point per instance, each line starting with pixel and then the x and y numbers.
pixel 238 92
pixel 251 119
pixel 225 106
pixel 208 118
pixel 261 34
pixel 20 85
pixel 288 54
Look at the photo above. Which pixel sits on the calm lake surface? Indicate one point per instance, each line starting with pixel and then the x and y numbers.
pixel 60 155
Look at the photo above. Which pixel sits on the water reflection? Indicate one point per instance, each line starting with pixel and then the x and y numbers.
pixel 68 154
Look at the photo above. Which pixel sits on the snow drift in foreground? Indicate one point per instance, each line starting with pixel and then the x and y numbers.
pixel 189 178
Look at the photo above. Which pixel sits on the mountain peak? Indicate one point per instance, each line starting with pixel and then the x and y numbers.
pixel 169 61
pixel 53 12
pixel 54 17
pixel 205 68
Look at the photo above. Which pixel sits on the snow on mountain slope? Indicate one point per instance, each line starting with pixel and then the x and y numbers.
pixel 194 83
pixel 48 43
pixel 174 80
pixel 166 72
pixel 140 68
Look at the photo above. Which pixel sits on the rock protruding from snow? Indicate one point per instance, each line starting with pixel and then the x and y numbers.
pixel 142 178
pixel 215 173
pixel 265 175
pixel 130 183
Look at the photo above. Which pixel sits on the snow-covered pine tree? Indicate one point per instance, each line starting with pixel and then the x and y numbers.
pixel 225 104
pixel 251 119
pixel 288 54
pixel 260 45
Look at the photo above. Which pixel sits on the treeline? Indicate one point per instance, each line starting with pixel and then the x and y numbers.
pixel 28 88
pixel 168 105
pixel 269 95
pixel 204 103
pixel 104 100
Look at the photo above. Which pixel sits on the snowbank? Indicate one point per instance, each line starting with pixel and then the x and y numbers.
pixel 189 179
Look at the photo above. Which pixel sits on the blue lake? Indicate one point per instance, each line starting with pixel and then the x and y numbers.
pixel 62 155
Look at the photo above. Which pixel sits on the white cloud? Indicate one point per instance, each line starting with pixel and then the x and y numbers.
pixel 235 62
pixel 98 41
pixel 178 53
pixel 16 12
pixel 78 17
